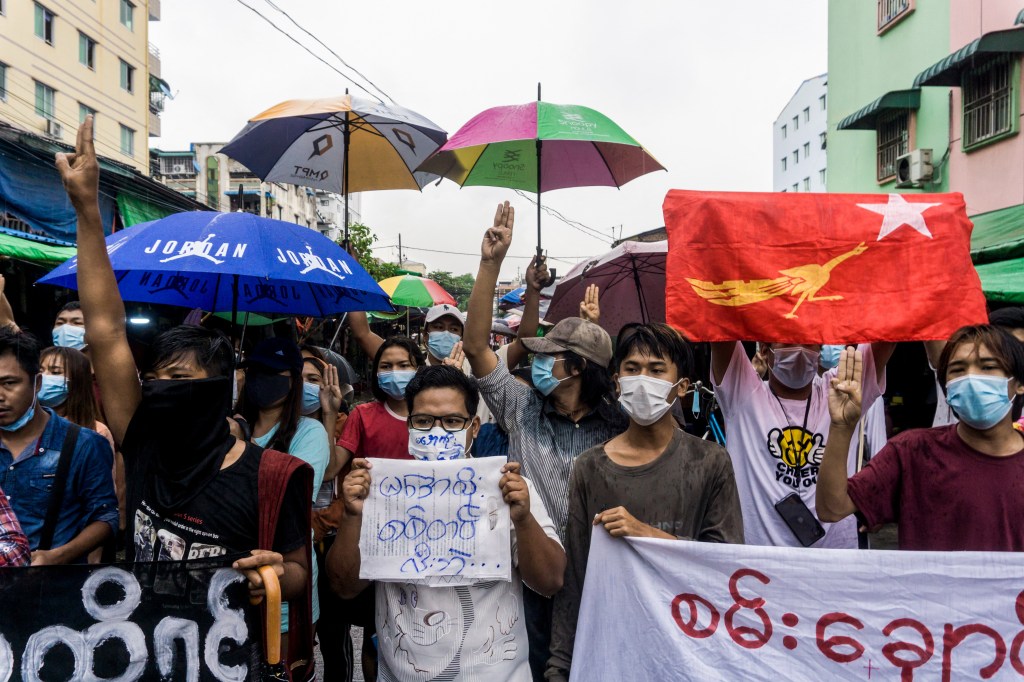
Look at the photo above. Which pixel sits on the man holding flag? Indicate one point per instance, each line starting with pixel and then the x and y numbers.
pixel 795 272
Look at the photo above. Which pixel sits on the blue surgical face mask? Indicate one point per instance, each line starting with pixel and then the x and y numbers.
pixel 393 383
pixel 23 419
pixel 310 398
pixel 440 344
pixel 830 356
pixel 69 336
pixel 980 401
pixel 53 391
pixel 543 378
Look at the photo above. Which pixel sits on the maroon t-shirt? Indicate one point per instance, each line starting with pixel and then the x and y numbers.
pixel 944 494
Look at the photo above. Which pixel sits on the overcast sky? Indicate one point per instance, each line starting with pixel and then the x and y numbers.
pixel 697 83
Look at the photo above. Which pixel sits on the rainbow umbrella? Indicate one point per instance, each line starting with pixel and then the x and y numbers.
pixel 538 147
pixel 415 292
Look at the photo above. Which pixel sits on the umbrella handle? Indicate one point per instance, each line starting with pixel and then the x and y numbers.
pixel 272 586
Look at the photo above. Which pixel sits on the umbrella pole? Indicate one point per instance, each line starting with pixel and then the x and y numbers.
pixel 234 299
pixel 337 331
pixel 539 149
pixel 644 315
pixel 346 135
pixel 245 323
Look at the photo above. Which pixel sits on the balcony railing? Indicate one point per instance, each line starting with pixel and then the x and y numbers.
pixel 890 11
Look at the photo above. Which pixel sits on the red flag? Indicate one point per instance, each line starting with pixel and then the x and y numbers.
pixel 819 268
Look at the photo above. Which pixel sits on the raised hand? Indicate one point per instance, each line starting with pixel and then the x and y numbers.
pixel 80 171
pixel 590 309
pixel 457 357
pixel 498 237
pixel 844 395
pixel 356 486
pixel 537 275
pixel 330 390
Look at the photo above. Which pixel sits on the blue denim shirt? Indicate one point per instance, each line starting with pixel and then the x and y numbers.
pixel 88 494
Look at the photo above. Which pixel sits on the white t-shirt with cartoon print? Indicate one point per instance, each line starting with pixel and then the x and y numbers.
pixel 469 633
pixel 774 454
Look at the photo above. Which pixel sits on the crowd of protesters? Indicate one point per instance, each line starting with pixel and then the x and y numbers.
pixel 173 455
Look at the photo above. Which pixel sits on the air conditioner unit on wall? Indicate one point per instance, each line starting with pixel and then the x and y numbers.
pixel 178 168
pixel 914 169
pixel 54 129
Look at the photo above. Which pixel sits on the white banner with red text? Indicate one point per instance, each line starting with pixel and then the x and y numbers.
pixel 671 610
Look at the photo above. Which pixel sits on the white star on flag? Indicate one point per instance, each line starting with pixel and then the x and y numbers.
pixel 899 212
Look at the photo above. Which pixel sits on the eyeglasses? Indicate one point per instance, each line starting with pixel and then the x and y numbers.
pixel 450 422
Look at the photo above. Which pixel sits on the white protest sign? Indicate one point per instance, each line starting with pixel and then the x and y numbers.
pixel 701 611
pixel 441 522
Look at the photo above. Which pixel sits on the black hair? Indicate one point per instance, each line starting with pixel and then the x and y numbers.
pixel 1007 318
pixel 415 355
pixel 291 409
pixel 655 340
pixel 23 346
pixel 70 305
pixel 444 376
pixel 210 350
pixel 1004 346
pixel 595 381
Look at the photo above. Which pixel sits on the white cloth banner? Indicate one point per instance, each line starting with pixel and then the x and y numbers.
pixel 438 523
pixel 670 610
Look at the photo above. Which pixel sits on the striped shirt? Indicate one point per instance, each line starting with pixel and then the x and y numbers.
pixel 13 543
pixel 544 441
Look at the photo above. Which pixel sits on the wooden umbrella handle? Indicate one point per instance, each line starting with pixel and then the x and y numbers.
pixel 272 586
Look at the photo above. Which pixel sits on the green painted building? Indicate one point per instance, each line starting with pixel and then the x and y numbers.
pixel 870 75
pixel 942 78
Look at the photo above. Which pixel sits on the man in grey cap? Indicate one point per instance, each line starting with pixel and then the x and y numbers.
pixel 571 408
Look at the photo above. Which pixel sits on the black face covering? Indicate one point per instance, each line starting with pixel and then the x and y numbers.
pixel 263 390
pixel 180 431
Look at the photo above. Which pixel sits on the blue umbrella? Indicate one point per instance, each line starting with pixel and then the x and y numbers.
pixel 234 262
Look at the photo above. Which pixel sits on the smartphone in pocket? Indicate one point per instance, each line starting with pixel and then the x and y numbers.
pixel 800 519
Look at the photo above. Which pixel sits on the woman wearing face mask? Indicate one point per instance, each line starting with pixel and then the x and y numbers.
pixel 67 388
pixel 377 429
pixel 272 403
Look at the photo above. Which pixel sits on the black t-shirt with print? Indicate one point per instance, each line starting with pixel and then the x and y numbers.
pixel 223 519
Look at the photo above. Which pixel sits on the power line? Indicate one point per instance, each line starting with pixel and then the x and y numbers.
pixel 314 54
pixel 326 47
pixel 476 255
pixel 575 224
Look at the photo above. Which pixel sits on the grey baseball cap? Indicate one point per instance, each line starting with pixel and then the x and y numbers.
pixel 584 338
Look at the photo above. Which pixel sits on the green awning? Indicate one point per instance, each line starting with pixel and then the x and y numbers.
pixel 1003 282
pixel 135 210
pixel 32 251
pixel 998 235
pixel 947 72
pixel 865 118
pixel 1020 18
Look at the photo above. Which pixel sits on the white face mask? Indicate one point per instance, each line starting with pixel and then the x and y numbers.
pixel 645 399
pixel 437 444
pixel 795 367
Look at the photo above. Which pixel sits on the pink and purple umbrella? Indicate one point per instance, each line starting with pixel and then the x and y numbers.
pixel 631 278
pixel 538 147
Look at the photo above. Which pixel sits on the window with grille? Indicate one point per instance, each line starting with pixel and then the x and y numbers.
pixel 988 101
pixel 893 140
pixel 784 161
pixel 784 132
pixel 891 11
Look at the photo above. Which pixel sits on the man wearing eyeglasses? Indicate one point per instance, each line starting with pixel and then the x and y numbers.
pixel 474 632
